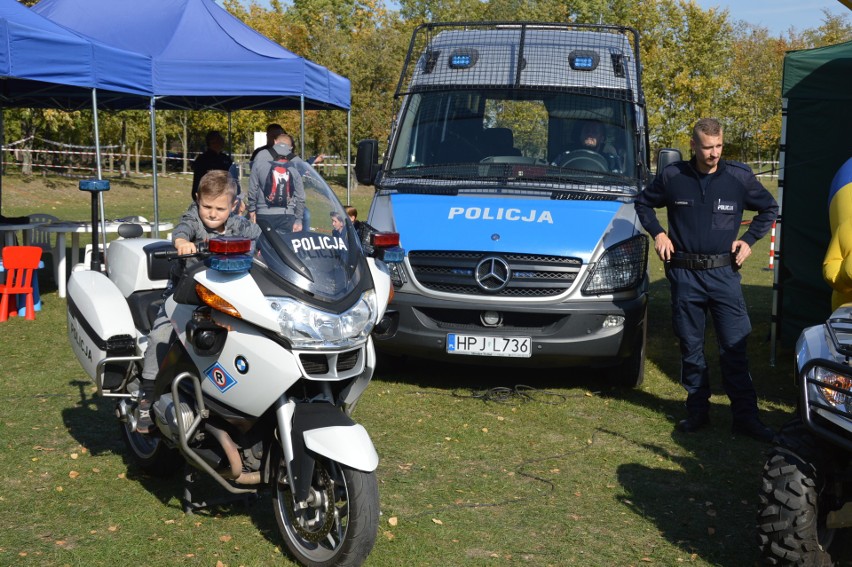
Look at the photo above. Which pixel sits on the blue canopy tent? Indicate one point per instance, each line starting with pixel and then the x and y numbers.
pixel 45 65
pixel 203 57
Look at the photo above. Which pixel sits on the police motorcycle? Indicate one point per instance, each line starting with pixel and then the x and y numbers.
pixel 270 353
pixel 806 490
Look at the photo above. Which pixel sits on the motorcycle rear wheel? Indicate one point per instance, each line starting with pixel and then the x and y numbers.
pixel 795 499
pixel 339 527
pixel 150 453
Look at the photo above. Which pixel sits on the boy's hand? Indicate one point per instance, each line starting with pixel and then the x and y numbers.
pixel 184 246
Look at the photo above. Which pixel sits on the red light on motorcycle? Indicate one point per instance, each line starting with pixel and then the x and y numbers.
pixel 385 239
pixel 229 245
pixel 216 302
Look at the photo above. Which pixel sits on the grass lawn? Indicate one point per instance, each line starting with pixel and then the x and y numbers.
pixel 569 472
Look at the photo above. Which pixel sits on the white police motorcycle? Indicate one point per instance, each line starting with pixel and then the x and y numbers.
pixel 271 351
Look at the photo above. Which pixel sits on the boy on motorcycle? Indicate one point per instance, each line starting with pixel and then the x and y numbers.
pixel 211 215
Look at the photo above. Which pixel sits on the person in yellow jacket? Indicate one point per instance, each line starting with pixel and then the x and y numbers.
pixel 837 265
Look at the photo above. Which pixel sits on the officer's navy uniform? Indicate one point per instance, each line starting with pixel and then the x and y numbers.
pixel 704 214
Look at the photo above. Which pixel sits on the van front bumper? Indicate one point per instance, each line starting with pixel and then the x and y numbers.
pixel 566 334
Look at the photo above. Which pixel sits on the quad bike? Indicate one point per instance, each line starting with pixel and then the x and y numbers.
pixel 806 494
pixel 270 352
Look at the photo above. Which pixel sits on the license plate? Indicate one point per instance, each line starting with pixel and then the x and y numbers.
pixel 517 347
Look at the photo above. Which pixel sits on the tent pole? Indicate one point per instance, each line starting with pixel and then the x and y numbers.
pixel 348 154
pixel 302 124
pixel 155 229
pixel 95 251
pixel 775 322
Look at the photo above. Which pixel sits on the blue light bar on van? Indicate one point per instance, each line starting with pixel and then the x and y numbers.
pixel 583 60
pixel 463 58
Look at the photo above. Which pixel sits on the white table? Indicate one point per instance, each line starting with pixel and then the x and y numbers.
pixel 62 228
pixel 9 231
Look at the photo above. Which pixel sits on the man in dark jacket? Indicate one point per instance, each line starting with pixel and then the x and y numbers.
pixel 213 158
pixel 705 198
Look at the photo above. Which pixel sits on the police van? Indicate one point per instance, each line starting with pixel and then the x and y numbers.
pixel 515 154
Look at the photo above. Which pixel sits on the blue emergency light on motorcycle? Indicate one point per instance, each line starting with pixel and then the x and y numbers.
pixel 230 254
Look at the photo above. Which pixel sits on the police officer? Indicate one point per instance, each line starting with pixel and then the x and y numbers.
pixel 705 198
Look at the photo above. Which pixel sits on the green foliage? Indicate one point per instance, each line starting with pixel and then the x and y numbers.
pixel 696 63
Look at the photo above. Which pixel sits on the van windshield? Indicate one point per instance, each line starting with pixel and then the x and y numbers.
pixel 525 136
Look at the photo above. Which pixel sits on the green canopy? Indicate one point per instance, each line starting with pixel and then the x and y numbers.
pixel 816 140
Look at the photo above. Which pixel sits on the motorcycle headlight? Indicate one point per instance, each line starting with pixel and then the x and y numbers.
pixel 620 268
pixel 308 327
pixel 839 394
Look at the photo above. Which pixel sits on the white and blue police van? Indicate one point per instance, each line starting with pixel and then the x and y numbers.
pixel 515 155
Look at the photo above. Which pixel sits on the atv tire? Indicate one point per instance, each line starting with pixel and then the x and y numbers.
pixel 791 519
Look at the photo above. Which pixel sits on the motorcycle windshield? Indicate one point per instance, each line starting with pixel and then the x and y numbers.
pixel 311 242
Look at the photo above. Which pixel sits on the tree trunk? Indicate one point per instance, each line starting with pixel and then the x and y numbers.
pixel 138 150
pixel 163 159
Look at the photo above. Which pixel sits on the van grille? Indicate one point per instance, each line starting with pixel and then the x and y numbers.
pixel 532 275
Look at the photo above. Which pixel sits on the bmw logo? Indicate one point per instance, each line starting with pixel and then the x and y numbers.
pixel 241 364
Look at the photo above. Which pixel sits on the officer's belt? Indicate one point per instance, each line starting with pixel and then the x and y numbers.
pixel 699 261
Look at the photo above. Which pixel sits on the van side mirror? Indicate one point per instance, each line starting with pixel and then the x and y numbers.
pixel 367 161
pixel 667 156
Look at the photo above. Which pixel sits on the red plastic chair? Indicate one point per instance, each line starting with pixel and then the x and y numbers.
pixel 19 262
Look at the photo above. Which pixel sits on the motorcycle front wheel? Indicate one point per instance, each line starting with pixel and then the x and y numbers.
pixel 339 525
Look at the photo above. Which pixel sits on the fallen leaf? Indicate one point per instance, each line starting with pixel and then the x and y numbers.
pixel 169 522
pixel 388 535
pixel 122 475
pixel 220 564
pixel 225 538
pixel 646 559
pixel 113 528
pixel 73 474
pixel 393 520
pixel 74 455
pixel 485 430
pixel 59 489
pixel 437 521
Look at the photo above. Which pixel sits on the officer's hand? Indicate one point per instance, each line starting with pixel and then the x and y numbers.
pixel 663 246
pixel 741 250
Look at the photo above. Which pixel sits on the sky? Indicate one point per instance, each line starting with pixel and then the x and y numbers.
pixel 776 15
pixel 779 15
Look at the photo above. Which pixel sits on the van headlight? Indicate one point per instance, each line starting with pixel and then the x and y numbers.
pixel 620 268
pixel 838 394
pixel 308 327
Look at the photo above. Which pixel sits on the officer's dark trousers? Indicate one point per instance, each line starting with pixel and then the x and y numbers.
pixel 717 291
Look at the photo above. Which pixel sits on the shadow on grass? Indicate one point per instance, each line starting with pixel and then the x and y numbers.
pixel 92 424
pixel 707 501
